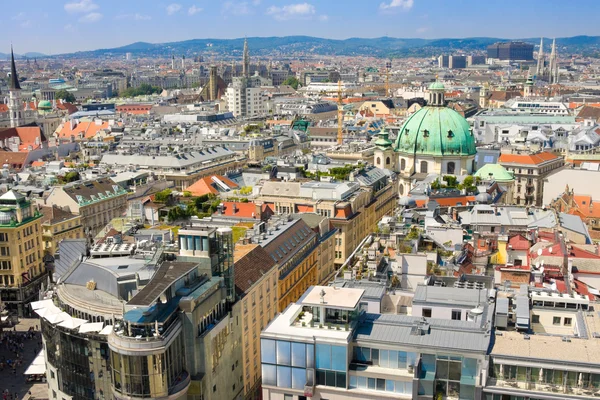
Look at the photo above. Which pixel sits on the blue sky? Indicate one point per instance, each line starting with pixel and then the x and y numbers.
pixel 58 26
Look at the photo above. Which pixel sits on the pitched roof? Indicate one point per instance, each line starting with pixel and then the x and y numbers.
pixel 589 112
pixel 207 185
pixel 518 242
pixel 586 206
pixel 530 159
pixel 16 158
pixel 54 214
pixel 88 128
pixel 251 263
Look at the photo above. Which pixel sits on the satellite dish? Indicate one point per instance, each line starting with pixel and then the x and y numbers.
pixel 477 311
pixel 539 252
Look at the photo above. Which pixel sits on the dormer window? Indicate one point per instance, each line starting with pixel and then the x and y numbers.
pixel 450 134
pixel 425 133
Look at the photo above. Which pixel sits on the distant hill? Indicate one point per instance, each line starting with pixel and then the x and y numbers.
pixel 307 45
pixel 4 56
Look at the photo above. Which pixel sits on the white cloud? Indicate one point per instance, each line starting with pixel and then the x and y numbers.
pixel 256 2
pixel 173 8
pixel 70 28
pixel 136 17
pixel 300 10
pixel 193 10
pixel 236 8
pixel 91 17
pixel 19 17
pixel 323 18
pixel 404 4
pixel 83 6
pixel 422 29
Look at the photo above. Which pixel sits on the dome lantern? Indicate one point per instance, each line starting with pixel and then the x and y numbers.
pixel 436 94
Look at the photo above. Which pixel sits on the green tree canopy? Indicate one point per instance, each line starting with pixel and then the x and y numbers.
pixel 65 95
pixel 292 81
pixel 143 90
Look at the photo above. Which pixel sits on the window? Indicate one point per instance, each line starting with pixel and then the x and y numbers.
pixel 535 319
pixel 402 164
pixel 424 167
pixel 288 397
pixel 451 167
pixel 456 315
pixel 568 321
pixel 426 312
pixel 555 320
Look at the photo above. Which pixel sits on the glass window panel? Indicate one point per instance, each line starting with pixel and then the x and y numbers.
pixel 467 392
pixel 298 355
pixel 389 385
pixel 353 382
pixel 400 386
pixel 375 356
pixel 521 374
pixel 366 354
pixel 362 382
pixel 320 377
pixel 371 383
pixel 393 359
pixel 340 380
pixel 469 367
pixel 310 356
pixel 267 351
pixel 558 377
pixel 283 353
pixel 402 361
pixel 442 370
pixel 298 378
pixel 441 386
pixel 534 374
pixel 338 358
pixel 284 377
pixel 454 369
pixel 323 356
pixel 330 378
pixel 380 384
pixel 384 357
pixel 453 389
pixel 269 374
pixel 411 359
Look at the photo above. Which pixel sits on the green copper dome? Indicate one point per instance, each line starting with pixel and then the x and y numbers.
pixel 494 172
pixel 44 105
pixel 436 131
pixel 437 85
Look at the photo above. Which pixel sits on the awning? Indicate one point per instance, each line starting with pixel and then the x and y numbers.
pixel 107 330
pixel 37 366
pixel 91 327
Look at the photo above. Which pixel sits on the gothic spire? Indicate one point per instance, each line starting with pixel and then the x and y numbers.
pixel 14 78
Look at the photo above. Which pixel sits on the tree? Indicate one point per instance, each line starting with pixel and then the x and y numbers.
pixel 143 90
pixel 65 96
pixel 162 196
pixel 69 177
pixel 292 81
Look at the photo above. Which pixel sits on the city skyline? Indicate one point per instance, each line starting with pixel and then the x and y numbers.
pixel 79 25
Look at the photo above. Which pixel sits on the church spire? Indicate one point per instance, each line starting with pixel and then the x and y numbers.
pixel 14 78
pixel 540 60
pixel 246 67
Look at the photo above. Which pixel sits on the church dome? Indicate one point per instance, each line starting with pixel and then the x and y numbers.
pixel 437 85
pixel 436 131
pixel 44 105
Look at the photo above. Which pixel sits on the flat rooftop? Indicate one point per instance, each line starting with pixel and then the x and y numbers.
pixel 514 345
pixel 333 297
pixel 168 273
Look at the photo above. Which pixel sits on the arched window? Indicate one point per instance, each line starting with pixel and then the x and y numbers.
pixel 402 164
pixel 378 161
pixel 424 166
pixel 387 161
pixel 401 190
pixel 450 167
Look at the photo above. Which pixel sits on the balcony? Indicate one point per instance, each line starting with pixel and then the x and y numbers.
pixel 573 389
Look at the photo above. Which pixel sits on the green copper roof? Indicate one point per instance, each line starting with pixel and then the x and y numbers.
pixel 45 104
pixel 495 171
pixel 383 139
pixel 437 85
pixel 436 131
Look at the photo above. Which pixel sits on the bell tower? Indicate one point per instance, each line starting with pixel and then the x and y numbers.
pixel 15 103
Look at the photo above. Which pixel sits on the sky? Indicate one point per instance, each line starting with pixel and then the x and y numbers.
pixel 59 26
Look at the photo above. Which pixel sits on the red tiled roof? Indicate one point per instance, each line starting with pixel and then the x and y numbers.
pixel 530 159
pixel 583 289
pixel 88 128
pixel 518 242
pixel 15 159
pixel 206 185
pixel 244 210
pixel 305 209
pixel 453 201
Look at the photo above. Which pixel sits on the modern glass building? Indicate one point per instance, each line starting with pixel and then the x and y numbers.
pixel 326 347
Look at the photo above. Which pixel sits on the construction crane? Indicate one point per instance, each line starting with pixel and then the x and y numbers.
pixel 340 136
